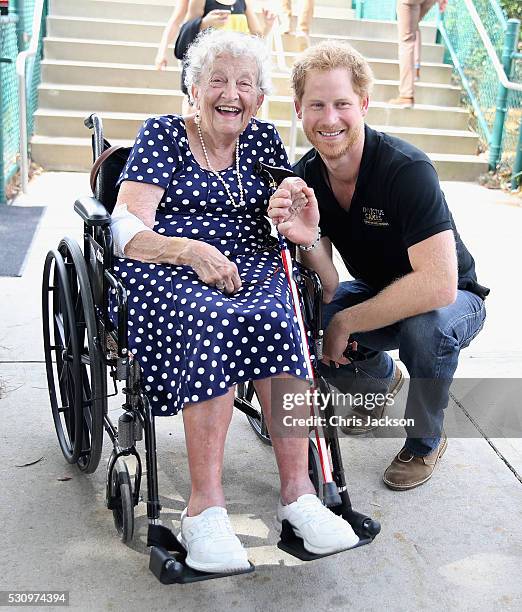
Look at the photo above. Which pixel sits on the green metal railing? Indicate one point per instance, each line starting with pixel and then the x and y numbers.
pixel 15 37
pixel 483 47
pixel 8 101
pixel 495 105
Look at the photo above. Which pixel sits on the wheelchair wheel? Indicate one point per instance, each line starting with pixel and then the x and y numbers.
pixel 258 422
pixel 62 356
pixel 93 372
pixel 122 502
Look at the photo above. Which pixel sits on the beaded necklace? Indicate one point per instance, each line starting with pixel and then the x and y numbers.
pixel 219 177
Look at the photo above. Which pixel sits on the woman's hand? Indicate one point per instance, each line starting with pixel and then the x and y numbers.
pixel 161 61
pixel 214 19
pixel 211 266
pixel 294 211
pixel 269 16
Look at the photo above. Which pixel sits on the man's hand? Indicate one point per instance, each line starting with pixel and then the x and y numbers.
pixel 336 341
pixel 294 211
pixel 442 5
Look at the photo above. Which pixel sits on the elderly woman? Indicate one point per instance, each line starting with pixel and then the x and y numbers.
pixel 209 304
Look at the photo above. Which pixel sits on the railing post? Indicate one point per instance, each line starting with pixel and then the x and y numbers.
pixel 359 9
pixel 517 166
pixel 510 47
pixel 5 21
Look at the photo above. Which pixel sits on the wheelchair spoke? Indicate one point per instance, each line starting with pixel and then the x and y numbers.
pixel 58 322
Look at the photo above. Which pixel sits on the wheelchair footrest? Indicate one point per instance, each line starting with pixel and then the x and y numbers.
pixel 293 544
pixel 169 568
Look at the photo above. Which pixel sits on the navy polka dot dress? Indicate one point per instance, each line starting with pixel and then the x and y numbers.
pixel 193 342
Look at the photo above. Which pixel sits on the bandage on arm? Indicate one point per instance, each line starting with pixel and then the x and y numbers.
pixel 124 226
pixel 132 229
pixel 134 239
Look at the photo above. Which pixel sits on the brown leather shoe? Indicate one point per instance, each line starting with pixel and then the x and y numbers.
pixel 356 415
pixel 402 102
pixel 407 471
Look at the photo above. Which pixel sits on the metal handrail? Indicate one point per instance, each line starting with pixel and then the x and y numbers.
pixel 499 69
pixel 21 60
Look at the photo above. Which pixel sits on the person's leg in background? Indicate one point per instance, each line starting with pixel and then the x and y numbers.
pixel 417 54
pixel 306 15
pixel 429 347
pixel 408 12
pixel 285 15
pixel 424 9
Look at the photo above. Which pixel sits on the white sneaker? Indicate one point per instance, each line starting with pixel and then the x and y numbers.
pixel 322 531
pixel 211 544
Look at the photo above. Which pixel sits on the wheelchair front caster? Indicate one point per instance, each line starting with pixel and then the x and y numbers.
pixel 164 566
pixel 372 527
pixel 364 526
pixel 120 500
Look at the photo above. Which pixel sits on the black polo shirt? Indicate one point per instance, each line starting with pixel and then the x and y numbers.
pixel 397 203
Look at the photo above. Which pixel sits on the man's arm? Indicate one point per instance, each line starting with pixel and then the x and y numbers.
pixel 320 259
pixel 432 284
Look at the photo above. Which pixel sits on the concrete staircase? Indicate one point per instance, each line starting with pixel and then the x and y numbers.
pixel 98 56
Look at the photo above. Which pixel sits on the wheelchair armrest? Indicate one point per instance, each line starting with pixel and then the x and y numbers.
pixel 92 211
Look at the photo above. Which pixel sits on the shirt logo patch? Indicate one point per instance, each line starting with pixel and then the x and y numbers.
pixel 374 217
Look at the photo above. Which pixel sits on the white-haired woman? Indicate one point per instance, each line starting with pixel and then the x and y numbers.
pixel 209 303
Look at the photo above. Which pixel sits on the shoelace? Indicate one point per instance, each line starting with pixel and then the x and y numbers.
pixel 311 510
pixel 216 526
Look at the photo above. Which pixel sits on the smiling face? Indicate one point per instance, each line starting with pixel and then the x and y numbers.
pixel 227 95
pixel 331 112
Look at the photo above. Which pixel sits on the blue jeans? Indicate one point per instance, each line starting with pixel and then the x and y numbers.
pixel 429 345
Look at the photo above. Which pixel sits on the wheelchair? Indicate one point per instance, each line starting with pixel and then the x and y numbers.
pixel 83 348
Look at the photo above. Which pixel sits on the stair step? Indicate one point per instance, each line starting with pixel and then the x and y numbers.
pixel 103 73
pixel 124 52
pixel 128 28
pixel 60 72
pixel 75 154
pixel 159 10
pixel 125 128
pixel 387 49
pixel 157 100
pixel 57 122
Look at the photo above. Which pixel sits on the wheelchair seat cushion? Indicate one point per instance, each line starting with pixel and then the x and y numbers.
pixel 193 341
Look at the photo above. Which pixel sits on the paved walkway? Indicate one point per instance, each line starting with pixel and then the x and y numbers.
pixel 453 544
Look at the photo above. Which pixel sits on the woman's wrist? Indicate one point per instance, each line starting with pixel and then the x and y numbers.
pixel 181 250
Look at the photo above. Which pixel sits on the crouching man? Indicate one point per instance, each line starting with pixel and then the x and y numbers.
pixel 377 199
